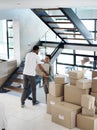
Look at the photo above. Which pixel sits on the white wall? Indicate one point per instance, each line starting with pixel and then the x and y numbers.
pixel 16 39
pixel 29 27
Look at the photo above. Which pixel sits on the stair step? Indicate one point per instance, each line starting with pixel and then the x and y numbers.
pixel 12 88
pixel 53 16
pixel 73 38
pixel 64 28
pixel 59 22
pixel 48 9
pixel 69 34
pixel 17 80
pixel 19 72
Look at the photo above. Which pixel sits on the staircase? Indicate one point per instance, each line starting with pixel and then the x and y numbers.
pixel 65 24
pixel 15 81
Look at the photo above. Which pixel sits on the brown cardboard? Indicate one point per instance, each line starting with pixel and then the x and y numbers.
pixel 84 83
pixel 3 79
pixel 56 89
pixel 88 112
pixel 95 110
pixel 94 85
pixel 40 72
pixel 73 94
pixel 95 95
pixel 94 73
pixel 72 81
pixel 65 114
pixel 88 101
pixel 59 79
pixel 75 74
pixel 6 68
pixel 86 122
pixel 51 101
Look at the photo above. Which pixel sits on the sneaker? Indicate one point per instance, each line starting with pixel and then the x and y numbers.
pixel 36 103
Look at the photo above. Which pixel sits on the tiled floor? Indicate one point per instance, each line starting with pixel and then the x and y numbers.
pixel 28 118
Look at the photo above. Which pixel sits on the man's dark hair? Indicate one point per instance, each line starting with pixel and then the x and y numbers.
pixel 48 56
pixel 35 48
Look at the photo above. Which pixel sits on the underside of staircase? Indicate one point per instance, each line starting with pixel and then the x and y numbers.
pixel 67 27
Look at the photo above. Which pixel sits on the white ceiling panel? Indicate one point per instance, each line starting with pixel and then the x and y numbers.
pixel 6 4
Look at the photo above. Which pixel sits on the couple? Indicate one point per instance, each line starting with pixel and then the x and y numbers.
pixel 29 75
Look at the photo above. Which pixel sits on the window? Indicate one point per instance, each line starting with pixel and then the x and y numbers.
pixel 90 24
pixel 65 59
pixel 10 44
pixel 6 39
pixel 3 40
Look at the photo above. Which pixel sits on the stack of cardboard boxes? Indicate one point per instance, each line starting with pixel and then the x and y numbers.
pixel 75 76
pixel 56 92
pixel 87 120
pixel 73 92
pixel 94 87
pixel 70 104
pixel 88 105
pixel 63 113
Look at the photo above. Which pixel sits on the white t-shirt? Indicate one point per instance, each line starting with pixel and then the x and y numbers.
pixel 31 61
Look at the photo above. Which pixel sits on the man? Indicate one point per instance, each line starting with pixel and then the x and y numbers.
pixel 29 72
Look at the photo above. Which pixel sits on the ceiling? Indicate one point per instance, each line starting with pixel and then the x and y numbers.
pixel 11 4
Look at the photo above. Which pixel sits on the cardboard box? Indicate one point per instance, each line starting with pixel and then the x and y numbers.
pixel 73 94
pixel 84 83
pixel 59 79
pixel 56 89
pixel 88 101
pixel 65 114
pixel 3 79
pixel 94 73
pixel 94 85
pixel 51 101
pixel 11 70
pixel 75 74
pixel 40 72
pixel 6 68
pixel 72 81
pixel 88 112
pixel 86 122
pixel 95 95
pixel 95 110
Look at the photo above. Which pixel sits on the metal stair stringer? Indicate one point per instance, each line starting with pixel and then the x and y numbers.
pixel 68 12
pixel 56 52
